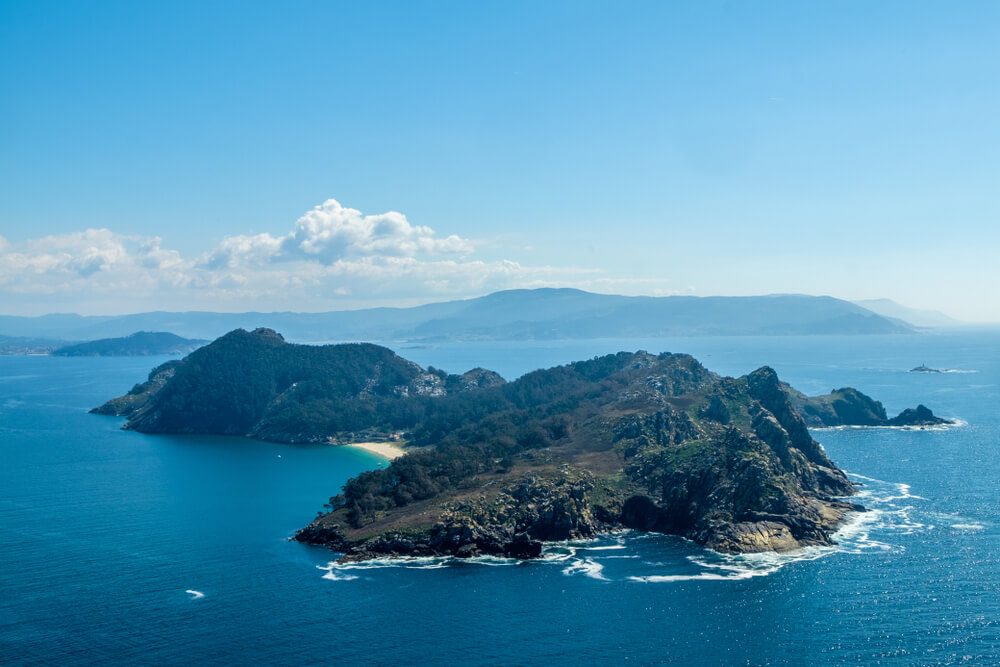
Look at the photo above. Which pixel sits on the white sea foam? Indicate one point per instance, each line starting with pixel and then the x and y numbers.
pixel 407 562
pixel 558 553
pixel 587 567
pixel 337 571
pixel 195 595
pixel 967 526
pixel 612 547
pixel 956 422
pixel 491 561
pixel 737 567
pixel 701 576
pixel 333 575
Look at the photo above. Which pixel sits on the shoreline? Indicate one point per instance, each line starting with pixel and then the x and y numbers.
pixel 386 450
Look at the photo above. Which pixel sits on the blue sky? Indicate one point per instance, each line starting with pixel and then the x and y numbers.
pixel 848 148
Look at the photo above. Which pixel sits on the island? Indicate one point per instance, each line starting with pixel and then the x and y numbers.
pixel 141 343
pixel 651 442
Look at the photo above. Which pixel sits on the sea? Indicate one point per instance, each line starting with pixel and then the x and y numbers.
pixel 124 548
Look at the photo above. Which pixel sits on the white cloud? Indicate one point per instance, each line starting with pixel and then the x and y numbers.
pixel 67 258
pixel 332 233
pixel 332 257
pixel 243 250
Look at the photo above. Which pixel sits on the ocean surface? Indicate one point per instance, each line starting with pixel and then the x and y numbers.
pixel 121 547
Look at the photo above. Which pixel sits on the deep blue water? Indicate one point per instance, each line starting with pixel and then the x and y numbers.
pixel 103 532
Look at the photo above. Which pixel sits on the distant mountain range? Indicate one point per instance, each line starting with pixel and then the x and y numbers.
pixel 539 314
pixel 914 316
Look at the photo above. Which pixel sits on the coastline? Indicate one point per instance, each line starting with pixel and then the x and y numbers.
pixel 387 450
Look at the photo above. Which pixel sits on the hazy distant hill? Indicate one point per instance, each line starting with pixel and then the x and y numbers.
pixel 509 315
pixel 139 344
pixel 914 316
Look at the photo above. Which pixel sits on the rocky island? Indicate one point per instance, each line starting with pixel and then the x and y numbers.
pixel 652 442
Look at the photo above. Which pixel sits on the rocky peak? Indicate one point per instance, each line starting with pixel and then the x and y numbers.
pixel 266 334
pixel 480 378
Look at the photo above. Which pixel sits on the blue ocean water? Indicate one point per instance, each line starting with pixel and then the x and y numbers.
pixel 120 547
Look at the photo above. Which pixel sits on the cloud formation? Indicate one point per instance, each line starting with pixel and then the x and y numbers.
pixel 332 233
pixel 46 264
pixel 332 257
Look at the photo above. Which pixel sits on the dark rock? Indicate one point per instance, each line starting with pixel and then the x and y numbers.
pixel 523 547
pixel 642 513
pixel 466 551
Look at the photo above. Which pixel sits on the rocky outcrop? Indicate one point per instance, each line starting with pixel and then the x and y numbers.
pixel 513 523
pixel 849 407
pixel 919 416
pixel 478 378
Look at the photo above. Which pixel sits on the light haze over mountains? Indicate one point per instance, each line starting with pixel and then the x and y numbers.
pixel 541 314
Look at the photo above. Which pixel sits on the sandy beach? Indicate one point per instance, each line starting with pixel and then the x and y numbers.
pixel 387 450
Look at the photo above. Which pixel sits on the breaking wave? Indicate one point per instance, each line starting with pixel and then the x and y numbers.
pixel 588 567
pixel 956 422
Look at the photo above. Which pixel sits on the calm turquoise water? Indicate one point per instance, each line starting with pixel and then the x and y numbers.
pixel 103 532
